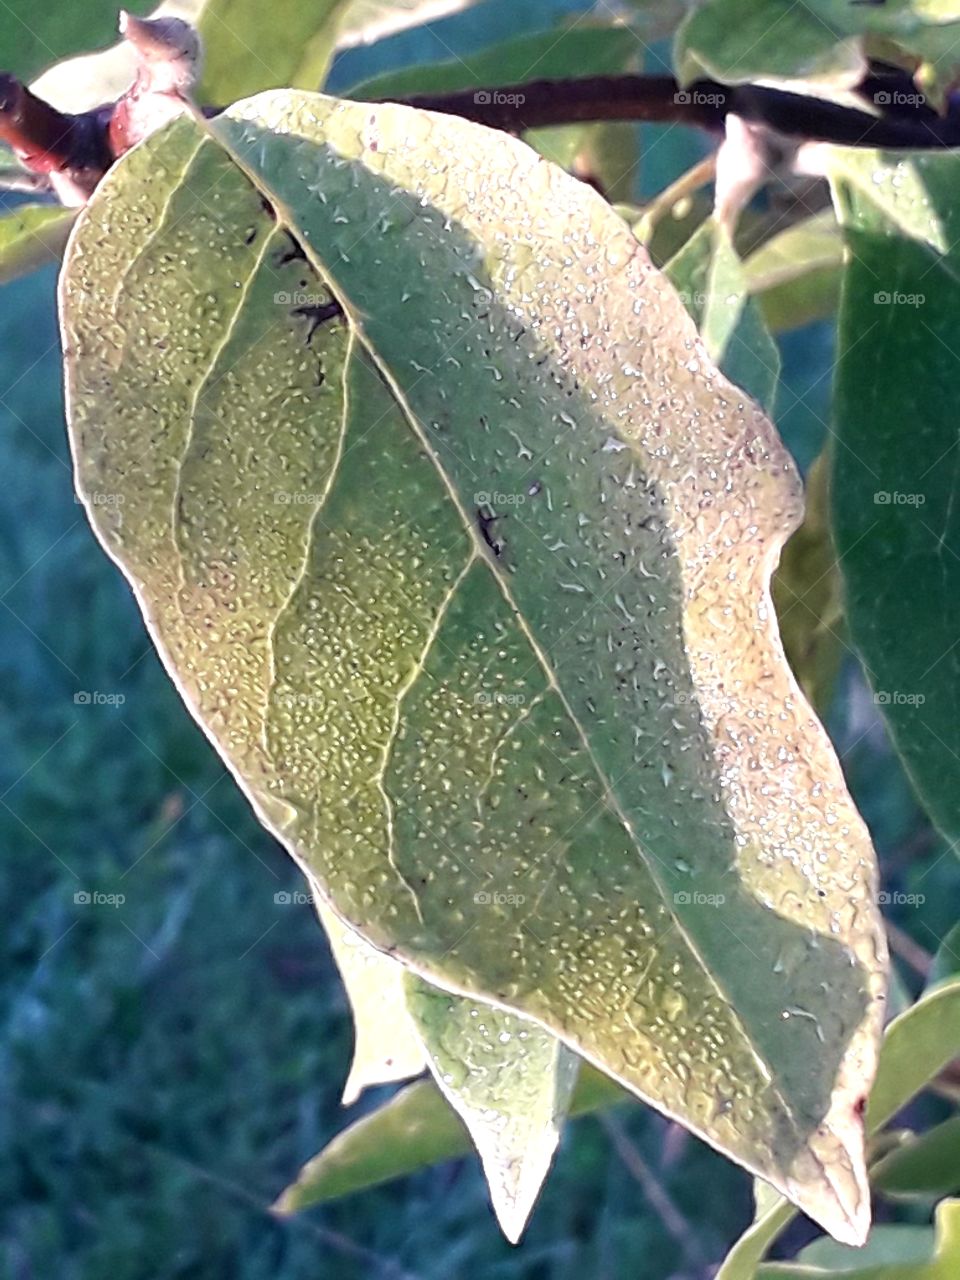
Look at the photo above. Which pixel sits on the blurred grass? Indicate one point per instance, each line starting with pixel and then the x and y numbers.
pixel 167 1064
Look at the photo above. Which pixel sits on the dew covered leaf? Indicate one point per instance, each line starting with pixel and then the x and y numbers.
pixel 509 1080
pixel 916 1046
pixel 896 466
pixel 467 575
pixel 414 1129
pixel 386 1044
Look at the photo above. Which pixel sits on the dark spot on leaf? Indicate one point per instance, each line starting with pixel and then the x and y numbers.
pixel 319 314
pixel 292 253
pixel 486 519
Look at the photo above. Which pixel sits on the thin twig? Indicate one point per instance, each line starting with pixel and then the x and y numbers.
pixel 706 103
pixel 909 951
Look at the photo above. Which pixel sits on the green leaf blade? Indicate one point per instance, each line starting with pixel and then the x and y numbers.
pixel 509 1081
pixel 896 469
pixel 419 713
pixel 32 236
pixel 387 1047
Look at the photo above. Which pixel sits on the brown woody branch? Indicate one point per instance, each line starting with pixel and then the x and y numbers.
pixel 52 142
pixel 706 104
pixel 47 140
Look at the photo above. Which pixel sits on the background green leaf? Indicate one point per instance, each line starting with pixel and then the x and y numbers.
pixel 709 277
pixel 896 463
pixel 585 49
pixel 795 274
pixel 244 54
pixel 508 1080
pixel 806 592
pixel 882 1262
pixel 916 1046
pixel 36 36
pixel 927 1165
pixel 32 235
pixel 818 42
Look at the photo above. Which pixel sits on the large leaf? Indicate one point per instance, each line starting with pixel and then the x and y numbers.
pixel 917 1045
pixel 415 1128
pixel 249 48
pixel 386 1046
pixel 896 464
pixel 471 588
pixel 32 235
pixel 508 1080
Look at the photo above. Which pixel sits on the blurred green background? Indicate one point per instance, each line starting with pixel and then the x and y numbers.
pixel 167 1063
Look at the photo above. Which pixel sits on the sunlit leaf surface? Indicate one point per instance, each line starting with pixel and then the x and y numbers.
pixel 459 548
pixel 386 1045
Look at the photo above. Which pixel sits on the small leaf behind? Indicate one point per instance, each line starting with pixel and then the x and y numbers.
pixel 509 1081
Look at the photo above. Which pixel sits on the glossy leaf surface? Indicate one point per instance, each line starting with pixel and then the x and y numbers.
pixel 466 572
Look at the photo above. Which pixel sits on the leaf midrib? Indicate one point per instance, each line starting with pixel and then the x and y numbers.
pixel 285 217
